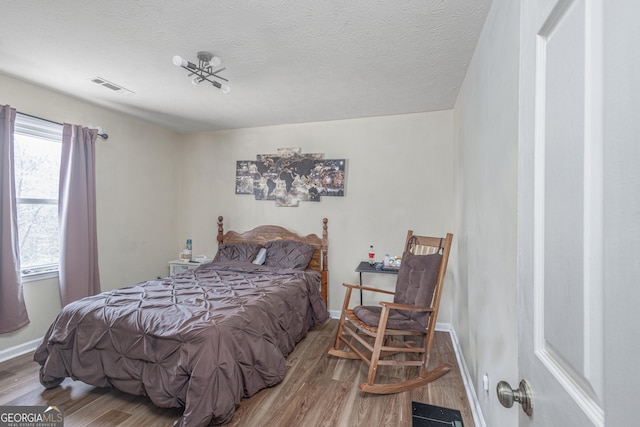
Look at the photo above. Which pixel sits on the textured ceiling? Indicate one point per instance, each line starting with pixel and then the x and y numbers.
pixel 287 61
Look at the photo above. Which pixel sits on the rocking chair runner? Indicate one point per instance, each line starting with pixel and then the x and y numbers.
pixel 413 312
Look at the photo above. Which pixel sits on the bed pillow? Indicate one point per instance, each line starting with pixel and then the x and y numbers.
pixel 242 252
pixel 288 254
pixel 261 257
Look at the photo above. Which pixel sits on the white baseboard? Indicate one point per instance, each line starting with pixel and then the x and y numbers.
pixel 474 403
pixel 19 350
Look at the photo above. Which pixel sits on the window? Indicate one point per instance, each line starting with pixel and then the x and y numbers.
pixel 37 151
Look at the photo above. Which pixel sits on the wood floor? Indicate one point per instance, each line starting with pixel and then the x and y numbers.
pixel 318 390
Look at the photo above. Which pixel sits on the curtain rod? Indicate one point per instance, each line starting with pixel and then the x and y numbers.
pixel 101 135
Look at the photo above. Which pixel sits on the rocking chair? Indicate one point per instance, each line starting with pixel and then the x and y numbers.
pixel 413 312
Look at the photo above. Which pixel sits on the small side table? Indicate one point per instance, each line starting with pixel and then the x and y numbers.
pixel 364 267
pixel 177 266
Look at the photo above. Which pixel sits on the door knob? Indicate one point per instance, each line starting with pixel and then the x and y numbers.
pixel 523 395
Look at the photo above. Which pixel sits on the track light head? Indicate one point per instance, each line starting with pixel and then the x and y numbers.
pixel 215 62
pixel 179 62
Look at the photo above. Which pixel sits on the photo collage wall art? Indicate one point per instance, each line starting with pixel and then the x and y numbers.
pixel 290 176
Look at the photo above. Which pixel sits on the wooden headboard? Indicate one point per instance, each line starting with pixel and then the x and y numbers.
pixel 266 233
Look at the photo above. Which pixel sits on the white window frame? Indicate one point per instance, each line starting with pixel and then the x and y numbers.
pixel 43 129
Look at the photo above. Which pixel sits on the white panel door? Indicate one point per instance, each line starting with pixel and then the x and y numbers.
pixel 560 236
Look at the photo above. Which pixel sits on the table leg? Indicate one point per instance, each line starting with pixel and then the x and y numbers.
pixel 361 289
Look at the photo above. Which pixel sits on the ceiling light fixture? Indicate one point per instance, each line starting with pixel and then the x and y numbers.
pixel 204 71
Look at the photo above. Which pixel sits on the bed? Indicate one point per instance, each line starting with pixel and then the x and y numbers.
pixel 202 339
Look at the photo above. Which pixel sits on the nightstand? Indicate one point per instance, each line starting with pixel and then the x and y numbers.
pixel 364 267
pixel 177 266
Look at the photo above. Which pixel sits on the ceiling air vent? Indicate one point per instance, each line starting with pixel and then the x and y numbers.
pixel 110 85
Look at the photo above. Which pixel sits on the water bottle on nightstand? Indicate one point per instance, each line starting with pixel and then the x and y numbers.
pixel 185 256
pixel 372 256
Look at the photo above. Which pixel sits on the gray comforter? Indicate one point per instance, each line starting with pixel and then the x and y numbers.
pixel 201 340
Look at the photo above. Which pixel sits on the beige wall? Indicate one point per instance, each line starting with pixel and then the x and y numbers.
pixel 486 123
pixel 156 188
pixel 399 177
pixel 137 174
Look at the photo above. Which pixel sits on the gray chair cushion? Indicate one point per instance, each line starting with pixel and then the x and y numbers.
pixel 397 320
pixel 415 286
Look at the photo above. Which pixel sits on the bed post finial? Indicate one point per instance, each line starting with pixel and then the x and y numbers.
pixel 325 245
pixel 325 262
pixel 324 231
pixel 220 230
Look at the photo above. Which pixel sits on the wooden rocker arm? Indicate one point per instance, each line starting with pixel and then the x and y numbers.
pixel 366 288
pixel 395 306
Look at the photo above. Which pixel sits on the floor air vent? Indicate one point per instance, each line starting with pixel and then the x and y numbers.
pixel 434 416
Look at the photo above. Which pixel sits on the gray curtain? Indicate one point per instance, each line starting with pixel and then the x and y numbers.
pixel 79 276
pixel 13 312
